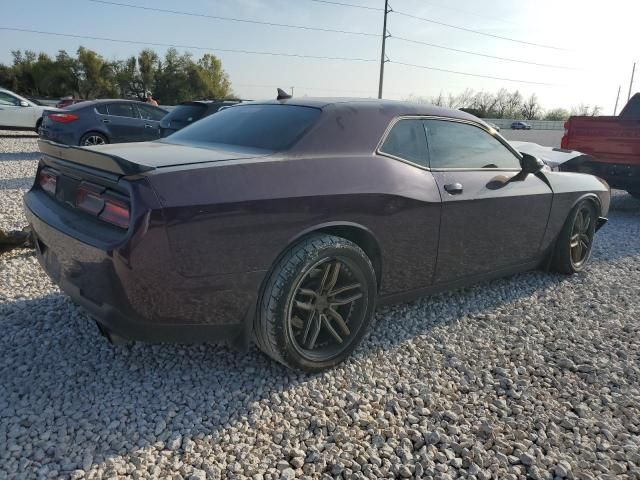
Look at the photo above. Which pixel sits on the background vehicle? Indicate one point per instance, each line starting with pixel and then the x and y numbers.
pixel 289 221
pixel 68 101
pixel 188 112
pixel 18 113
pixel 494 126
pixel 520 126
pixel 614 142
pixel 103 121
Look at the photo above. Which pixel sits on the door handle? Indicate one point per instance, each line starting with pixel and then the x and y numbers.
pixel 104 120
pixel 149 126
pixel 454 188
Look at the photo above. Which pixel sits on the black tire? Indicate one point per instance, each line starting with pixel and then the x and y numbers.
pixel 93 139
pixel 634 193
pixel 312 344
pixel 38 124
pixel 568 256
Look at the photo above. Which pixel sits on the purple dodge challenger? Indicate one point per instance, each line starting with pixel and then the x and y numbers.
pixel 288 222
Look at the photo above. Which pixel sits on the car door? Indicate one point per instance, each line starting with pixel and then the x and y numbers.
pixel 493 216
pixel 151 116
pixel 124 123
pixel 15 114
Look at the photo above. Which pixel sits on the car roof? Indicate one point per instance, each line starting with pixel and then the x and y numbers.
pixel 102 101
pixel 209 102
pixel 397 107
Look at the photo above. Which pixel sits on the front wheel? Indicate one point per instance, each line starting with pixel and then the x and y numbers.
pixel 575 242
pixel 317 305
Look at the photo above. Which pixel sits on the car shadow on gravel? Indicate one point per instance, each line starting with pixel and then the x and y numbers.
pixel 16 183
pixel 20 156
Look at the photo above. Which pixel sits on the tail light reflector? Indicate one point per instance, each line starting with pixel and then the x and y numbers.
pixel 48 181
pixel 105 205
pixel 63 117
pixel 115 212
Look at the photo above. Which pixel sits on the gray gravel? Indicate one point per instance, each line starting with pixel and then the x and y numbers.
pixel 534 376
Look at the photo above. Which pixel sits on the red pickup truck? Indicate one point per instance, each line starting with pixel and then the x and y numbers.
pixel 614 144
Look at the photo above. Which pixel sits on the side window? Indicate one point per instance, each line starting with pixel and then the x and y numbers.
pixel 122 110
pixel 459 145
pixel 102 109
pixel 407 140
pixel 6 99
pixel 148 112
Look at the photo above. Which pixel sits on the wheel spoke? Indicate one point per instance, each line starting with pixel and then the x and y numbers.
pixel 340 290
pixel 334 276
pixel 325 321
pixel 307 327
pixel 575 239
pixel 586 223
pixel 307 291
pixel 336 302
pixel 339 320
pixel 304 306
pixel 579 221
pixel 325 276
pixel 314 335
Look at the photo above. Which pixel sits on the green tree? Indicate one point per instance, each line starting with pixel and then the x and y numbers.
pixel 557 114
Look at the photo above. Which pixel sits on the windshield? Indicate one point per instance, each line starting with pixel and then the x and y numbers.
pixel 263 127
pixel 185 113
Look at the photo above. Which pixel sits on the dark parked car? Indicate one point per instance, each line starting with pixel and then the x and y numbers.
pixel 103 121
pixel 188 112
pixel 288 222
pixel 520 126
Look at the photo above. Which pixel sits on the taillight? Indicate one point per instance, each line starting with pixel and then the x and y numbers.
pixel 48 181
pixel 115 212
pixel 104 205
pixel 63 117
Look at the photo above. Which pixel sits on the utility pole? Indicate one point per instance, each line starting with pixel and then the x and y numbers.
pixel 383 55
pixel 292 91
pixel 615 109
pixel 633 72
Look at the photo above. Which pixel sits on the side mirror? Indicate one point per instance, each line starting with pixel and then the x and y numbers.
pixel 24 103
pixel 531 164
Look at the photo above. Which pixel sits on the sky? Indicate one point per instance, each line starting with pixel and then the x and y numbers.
pixel 592 42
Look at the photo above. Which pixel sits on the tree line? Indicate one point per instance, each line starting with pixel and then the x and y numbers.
pixel 506 104
pixel 172 78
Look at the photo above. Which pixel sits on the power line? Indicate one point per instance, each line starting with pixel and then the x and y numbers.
pixel 192 47
pixel 474 74
pixel 456 27
pixel 352 5
pixel 232 19
pixel 419 42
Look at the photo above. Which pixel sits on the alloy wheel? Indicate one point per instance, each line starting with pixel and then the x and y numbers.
pixel 327 309
pixel 93 140
pixel 581 237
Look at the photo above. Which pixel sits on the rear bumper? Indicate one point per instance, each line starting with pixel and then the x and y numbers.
pixel 138 301
pixel 66 138
pixel 617 175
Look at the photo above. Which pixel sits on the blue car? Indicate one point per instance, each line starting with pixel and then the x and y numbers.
pixel 520 126
pixel 100 122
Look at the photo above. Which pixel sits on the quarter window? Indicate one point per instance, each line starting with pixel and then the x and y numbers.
pixel 407 140
pixel 102 109
pixel 122 110
pixel 459 145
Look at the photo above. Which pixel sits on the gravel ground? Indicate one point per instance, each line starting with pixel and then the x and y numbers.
pixel 534 376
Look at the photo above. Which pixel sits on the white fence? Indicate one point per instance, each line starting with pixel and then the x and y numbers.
pixel 535 124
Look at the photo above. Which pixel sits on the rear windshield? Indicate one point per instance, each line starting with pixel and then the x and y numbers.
pixel 263 127
pixel 186 113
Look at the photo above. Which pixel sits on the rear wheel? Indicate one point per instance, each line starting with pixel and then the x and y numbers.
pixel 92 139
pixel 38 124
pixel 318 303
pixel 574 244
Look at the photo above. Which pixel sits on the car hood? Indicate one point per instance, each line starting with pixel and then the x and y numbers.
pixel 552 156
pixel 163 154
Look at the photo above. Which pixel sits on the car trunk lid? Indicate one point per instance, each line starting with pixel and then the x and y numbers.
pixel 128 159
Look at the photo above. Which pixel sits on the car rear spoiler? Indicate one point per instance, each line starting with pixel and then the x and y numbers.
pixel 92 158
